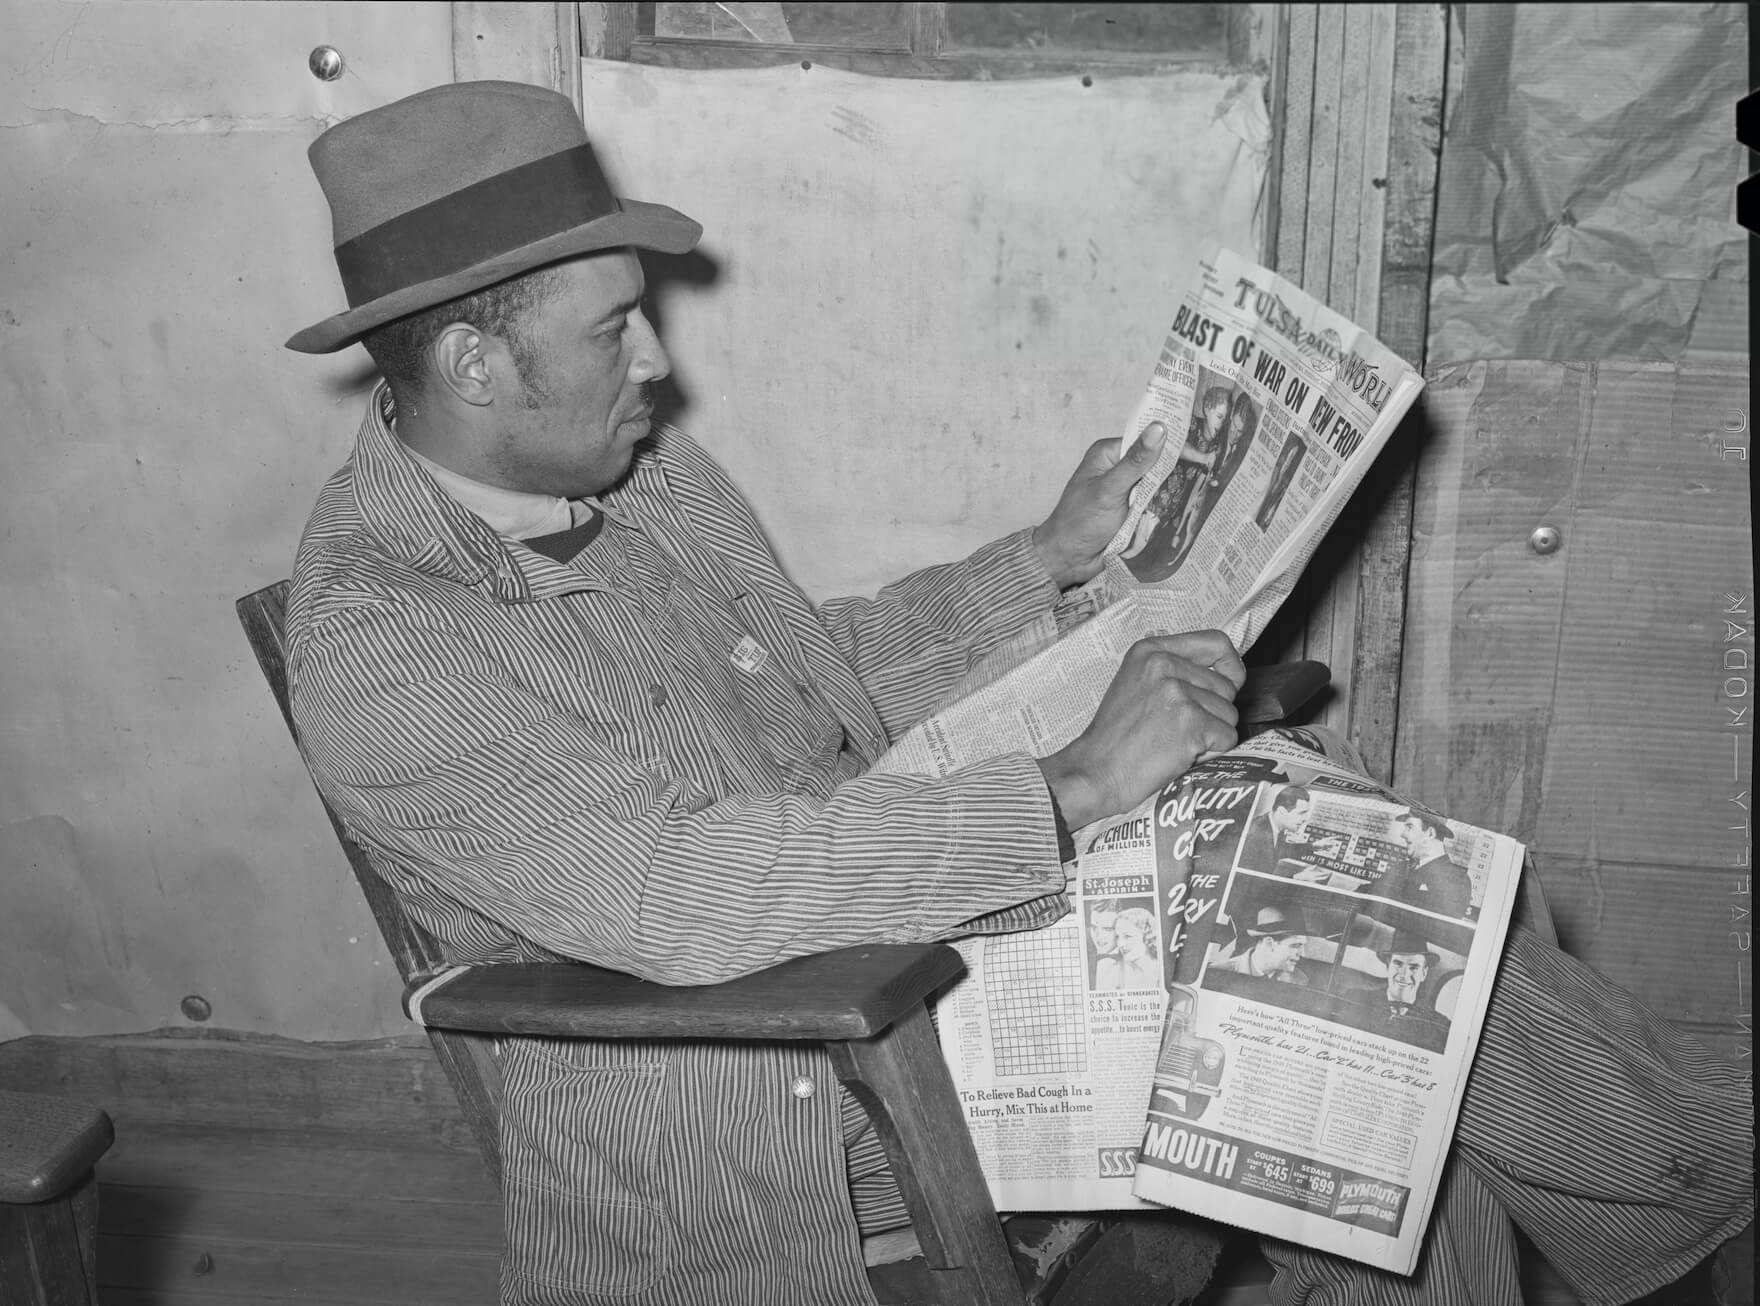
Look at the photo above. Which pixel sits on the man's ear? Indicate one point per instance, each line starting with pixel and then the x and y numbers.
pixel 461 363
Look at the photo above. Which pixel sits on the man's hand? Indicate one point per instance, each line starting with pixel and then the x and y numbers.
pixel 1092 507
pixel 1171 703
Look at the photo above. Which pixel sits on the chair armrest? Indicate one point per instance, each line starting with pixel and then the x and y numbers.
pixel 853 993
pixel 1277 692
pixel 47 1145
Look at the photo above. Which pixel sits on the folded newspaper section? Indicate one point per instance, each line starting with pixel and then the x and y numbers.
pixel 1324 1005
pixel 1277 964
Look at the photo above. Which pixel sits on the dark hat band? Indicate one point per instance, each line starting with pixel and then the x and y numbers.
pixel 476 223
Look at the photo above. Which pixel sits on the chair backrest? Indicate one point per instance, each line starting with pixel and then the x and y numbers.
pixel 468 1059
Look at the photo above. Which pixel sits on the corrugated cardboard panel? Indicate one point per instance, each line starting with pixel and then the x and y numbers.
pixel 1580 700
pixel 1659 536
pixel 1484 612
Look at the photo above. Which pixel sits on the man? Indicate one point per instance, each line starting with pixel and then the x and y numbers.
pixel 545 666
pixel 1431 880
pixel 1281 835
pixel 1407 1014
pixel 1102 935
pixel 1277 943
pixel 548 673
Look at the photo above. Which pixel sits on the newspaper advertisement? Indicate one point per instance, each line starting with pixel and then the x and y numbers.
pixel 1312 1067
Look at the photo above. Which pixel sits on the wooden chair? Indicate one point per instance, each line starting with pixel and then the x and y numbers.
pixel 865 1004
pixel 49 1199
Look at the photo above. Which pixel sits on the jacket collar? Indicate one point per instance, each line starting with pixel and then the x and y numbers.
pixel 420 524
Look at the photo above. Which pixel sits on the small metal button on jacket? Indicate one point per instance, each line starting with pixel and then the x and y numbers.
pixel 803 1087
pixel 657 694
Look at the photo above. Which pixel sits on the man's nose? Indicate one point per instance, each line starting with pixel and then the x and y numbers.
pixel 649 361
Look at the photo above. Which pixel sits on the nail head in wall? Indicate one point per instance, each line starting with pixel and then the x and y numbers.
pixel 806 65
pixel 196 1008
pixel 204 1264
pixel 326 63
pixel 1087 80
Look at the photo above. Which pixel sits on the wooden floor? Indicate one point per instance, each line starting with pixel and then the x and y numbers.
pixel 248 1171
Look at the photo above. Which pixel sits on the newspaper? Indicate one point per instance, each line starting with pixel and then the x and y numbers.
pixel 1323 1006
pixel 1274 406
pixel 1290 1002
pixel 1087 1054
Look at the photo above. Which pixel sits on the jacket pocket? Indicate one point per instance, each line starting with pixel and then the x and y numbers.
pixel 583 1140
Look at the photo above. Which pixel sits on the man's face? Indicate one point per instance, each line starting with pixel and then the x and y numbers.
pixel 1102 930
pixel 1410 834
pixel 1293 820
pixel 1216 412
pixel 572 421
pixel 1405 975
pixel 1281 955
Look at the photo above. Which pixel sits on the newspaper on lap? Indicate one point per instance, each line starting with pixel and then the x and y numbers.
pixel 1264 1002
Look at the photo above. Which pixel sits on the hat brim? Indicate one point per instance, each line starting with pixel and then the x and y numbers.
pixel 644 226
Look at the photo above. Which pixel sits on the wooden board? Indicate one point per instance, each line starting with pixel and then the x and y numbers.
pixel 394 1089
pixel 1359 110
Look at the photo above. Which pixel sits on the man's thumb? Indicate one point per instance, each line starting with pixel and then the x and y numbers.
pixel 1141 455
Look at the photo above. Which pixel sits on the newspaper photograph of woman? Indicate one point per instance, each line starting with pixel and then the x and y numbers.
pixel 1223 423
pixel 1137 962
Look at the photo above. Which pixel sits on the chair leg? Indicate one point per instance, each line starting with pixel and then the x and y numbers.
pixel 48 1250
pixel 900 1077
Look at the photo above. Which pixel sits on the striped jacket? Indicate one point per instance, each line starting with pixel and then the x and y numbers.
pixel 653 758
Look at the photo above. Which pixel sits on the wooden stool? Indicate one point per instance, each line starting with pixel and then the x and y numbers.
pixel 49 1200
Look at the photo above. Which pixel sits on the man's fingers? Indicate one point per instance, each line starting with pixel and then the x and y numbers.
pixel 1205 648
pixel 1219 705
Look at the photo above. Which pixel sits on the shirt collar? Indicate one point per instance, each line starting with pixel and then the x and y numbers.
pixel 417 521
pixel 514 513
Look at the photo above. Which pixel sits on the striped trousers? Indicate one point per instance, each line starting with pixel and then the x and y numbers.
pixel 1623 1148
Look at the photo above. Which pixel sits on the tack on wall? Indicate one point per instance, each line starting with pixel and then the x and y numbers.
pixel 929 300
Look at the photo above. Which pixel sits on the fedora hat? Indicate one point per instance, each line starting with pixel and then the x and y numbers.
pixel 456 188
pixel 1275 923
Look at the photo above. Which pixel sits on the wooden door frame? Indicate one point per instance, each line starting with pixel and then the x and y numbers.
pixel 1357 96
